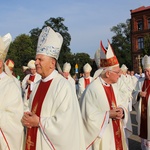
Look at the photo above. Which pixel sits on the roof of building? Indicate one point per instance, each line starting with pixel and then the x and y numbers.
pixel 142 8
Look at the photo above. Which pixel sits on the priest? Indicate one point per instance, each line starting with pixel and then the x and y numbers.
pixel 53 118
pixel 141 101
pixel 11 105
pixel 104 112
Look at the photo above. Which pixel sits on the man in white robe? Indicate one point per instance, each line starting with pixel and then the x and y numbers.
pixel 66 74
pixel 29 80
pixel 11 105
pixel 104 112
pixel 133 78
pixel 141 101
pixel 126 78
pixel 56 120
pixel 125 87
pixel 85 80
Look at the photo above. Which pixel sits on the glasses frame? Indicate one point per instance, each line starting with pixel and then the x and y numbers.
pixel 117 72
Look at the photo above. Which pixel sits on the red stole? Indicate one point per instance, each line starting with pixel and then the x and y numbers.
pixel 116 123
pixel 86 82
pixel 143 126
pixel 36 108
pixel 31 78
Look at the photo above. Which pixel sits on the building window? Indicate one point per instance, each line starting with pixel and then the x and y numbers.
pixel 148 23
pixel 140 25
pixel 140 43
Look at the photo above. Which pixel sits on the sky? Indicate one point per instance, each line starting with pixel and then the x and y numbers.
pixel 88 21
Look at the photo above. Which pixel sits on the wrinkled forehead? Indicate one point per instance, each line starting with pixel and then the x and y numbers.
pixel 41 56
pixel 147 69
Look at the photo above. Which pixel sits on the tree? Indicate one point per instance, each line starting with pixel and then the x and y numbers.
pixel 121 43
pixel 34 37
pixel 21 52
pixel 81 59
pixel 57 25
pixel 146 50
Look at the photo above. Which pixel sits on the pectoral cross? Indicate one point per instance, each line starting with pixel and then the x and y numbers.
pixel 29 143
pixel 113 105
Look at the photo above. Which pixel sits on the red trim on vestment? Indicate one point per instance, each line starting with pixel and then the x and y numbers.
pixel 5 139
pixel 47 136
pixel 144 107
pixel 36 108
pixel 116 123
pixel 86 82
pixel 31 78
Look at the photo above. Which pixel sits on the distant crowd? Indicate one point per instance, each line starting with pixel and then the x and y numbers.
pixel 51 110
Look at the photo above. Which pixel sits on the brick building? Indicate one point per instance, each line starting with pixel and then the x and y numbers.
pixel 140 27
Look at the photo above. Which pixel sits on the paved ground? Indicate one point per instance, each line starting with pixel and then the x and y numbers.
pixel 134 140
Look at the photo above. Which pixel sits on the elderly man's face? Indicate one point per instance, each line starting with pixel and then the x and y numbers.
pixel 44 65
pixel 1 66
pixel 65 74
pixel 33 71
pixel 114 74
pixel 86 74
pixel 147 73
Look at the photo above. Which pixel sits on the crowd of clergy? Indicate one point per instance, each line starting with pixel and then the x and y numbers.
pixel 50 110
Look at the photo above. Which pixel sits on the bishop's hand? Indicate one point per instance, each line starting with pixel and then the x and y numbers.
pixel 116 113
pixel 30 120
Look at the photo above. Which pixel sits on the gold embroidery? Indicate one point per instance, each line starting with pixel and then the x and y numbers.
pixel 35 108
pixel 29 143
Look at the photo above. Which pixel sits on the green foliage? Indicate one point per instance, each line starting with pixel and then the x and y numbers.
pixel 34 36
pixel 21 51
pixel 146 50
pixel 81 59
pixel 121 43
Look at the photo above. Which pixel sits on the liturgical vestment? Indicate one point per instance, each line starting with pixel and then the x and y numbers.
pixel 138 102
pixel 11 112
pixel 98 127
pixel 61 126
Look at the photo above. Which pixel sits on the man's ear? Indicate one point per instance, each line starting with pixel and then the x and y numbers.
pixel 1 64
pixel 107 73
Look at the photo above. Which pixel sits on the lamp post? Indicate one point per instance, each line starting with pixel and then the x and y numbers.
pixel 76 68
pixel 138 58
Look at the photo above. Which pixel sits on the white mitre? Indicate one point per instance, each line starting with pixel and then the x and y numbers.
pixel 87 68
pixel 49 43
pixel 97 57
pixel 31 64
pixel 4 45
pixel 66 67
pixel 124 68
pixel 146 62
pixel 107 57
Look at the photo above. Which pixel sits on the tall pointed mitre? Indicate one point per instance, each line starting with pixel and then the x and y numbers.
pixel 107 57
pixel 97 57
pixel 49 43
pixel 4 45
pixel 146 62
